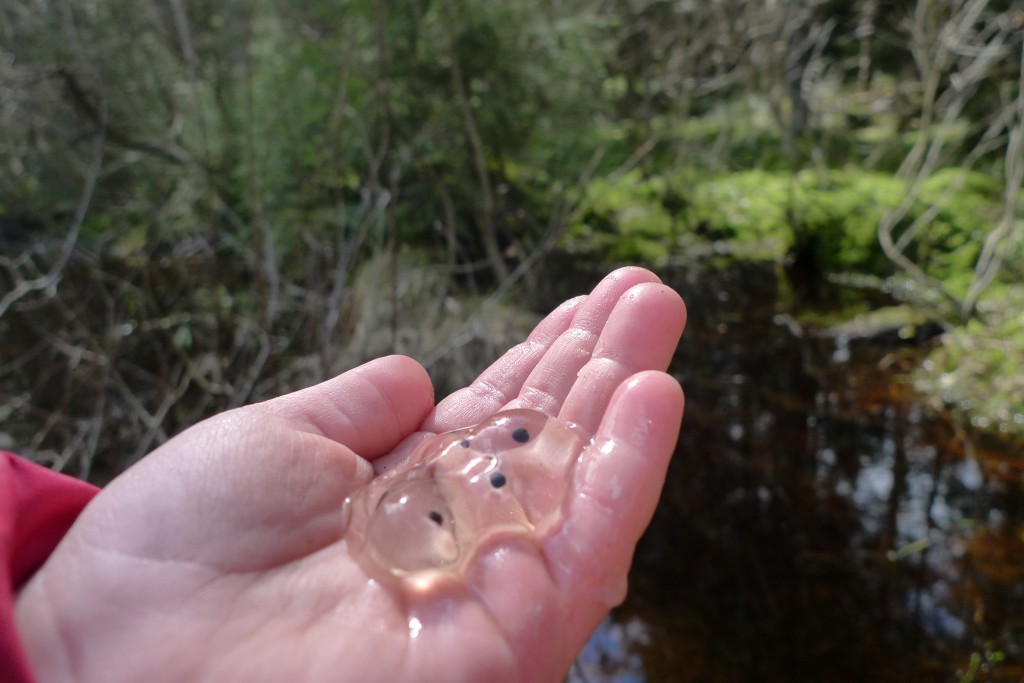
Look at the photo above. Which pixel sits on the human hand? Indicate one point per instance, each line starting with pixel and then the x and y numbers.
pixel 222 555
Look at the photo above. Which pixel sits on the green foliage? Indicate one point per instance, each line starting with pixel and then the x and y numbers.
pixel 833 216
pixel 976 370
pixel 830 218
pixel 281 144
pixel 752 206
pixel 626 219
pixel 839 215
pixel 282 115
pixel 969 206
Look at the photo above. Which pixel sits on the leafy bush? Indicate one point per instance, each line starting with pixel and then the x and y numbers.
pixel 831 217
pixel 625 219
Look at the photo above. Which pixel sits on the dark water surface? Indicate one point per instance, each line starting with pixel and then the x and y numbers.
pixel 820 521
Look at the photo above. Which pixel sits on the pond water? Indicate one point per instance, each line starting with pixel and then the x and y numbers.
pixel 820 522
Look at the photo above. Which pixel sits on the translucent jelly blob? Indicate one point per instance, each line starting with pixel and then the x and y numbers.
pixel 507 476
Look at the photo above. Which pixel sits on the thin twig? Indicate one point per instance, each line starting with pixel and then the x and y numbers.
pixel 49 282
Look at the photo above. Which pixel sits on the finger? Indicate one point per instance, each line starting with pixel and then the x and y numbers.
pixel 514 584
pixel 551 380
pixel 551 603
pixel 501 382
pixel 617 484
pixel 642 333
pixel 401 453
pixel 370 408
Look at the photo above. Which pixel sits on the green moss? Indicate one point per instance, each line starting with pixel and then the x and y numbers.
pixel 753 205
pixel 835 216
pixel 969 206
pixel 976 371
pixel 830 218
pixel 841 223
pixel 625 219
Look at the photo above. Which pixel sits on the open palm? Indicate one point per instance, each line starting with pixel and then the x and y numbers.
pixel 222 555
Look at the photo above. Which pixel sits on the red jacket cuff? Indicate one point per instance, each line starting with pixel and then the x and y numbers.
pixel 37 507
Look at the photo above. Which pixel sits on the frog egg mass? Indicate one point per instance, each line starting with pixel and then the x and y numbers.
pixel 507 477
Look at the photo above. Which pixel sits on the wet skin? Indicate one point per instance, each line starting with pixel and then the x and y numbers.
pixel 229 553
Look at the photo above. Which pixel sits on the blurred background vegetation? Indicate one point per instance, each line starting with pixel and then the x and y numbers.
pixel 206 203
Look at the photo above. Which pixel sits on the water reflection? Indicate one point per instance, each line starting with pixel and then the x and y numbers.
pixel 820 522
pixel 612 655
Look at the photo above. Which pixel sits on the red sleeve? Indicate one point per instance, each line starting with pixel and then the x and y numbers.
pixel 37 507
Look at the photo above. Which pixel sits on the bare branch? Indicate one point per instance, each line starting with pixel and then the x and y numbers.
pixel 48 283
pixel 991 257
